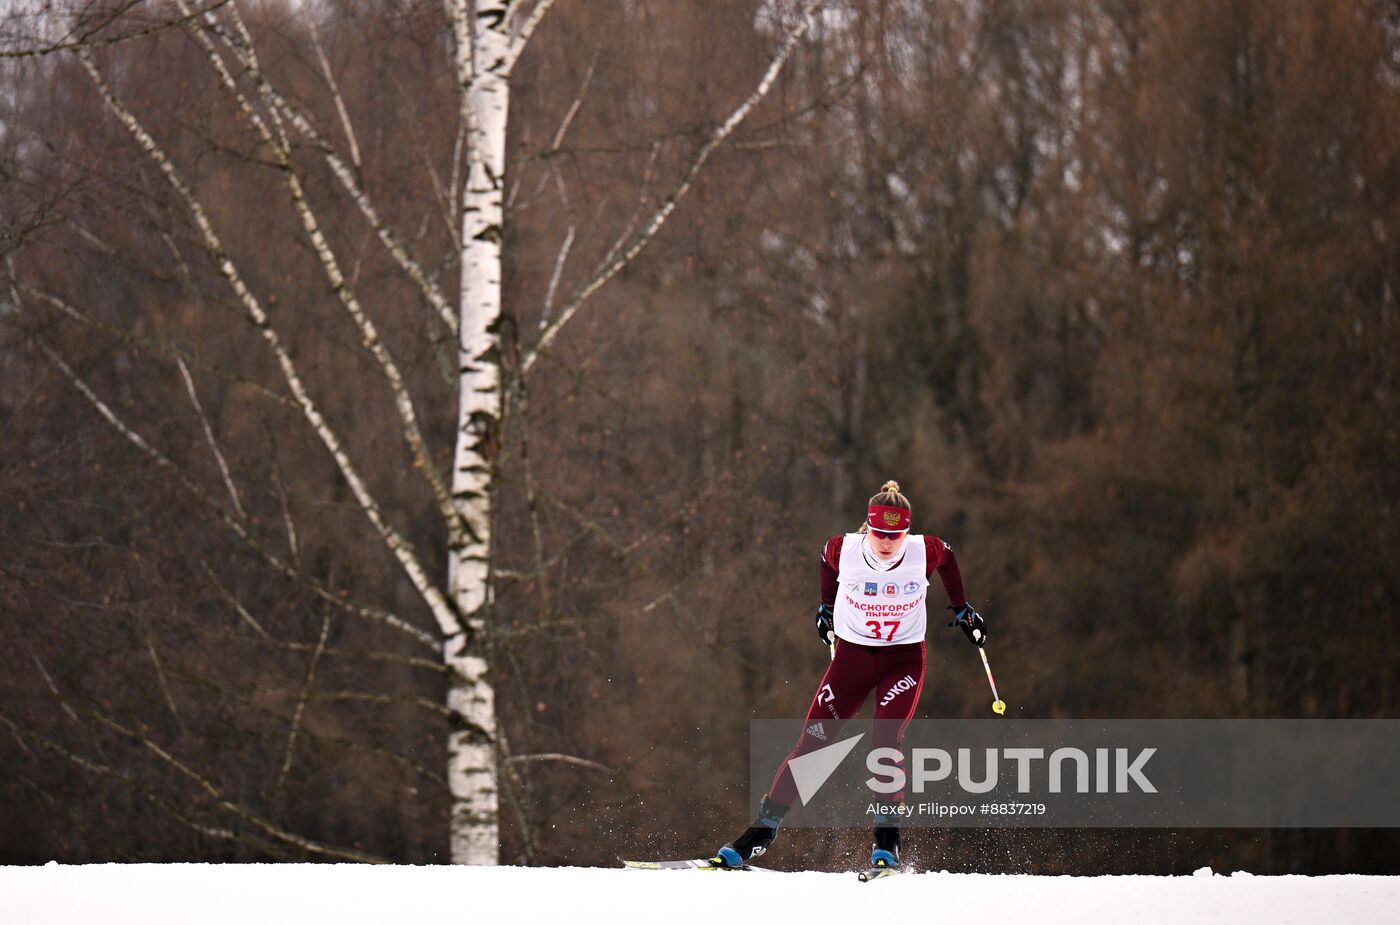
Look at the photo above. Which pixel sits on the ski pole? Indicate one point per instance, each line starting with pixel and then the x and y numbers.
pixel 998 707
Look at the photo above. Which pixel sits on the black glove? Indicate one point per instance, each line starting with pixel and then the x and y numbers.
pixel 826 619
pixel 972 624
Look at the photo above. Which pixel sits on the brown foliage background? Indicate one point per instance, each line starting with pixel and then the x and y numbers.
pixel 1109 287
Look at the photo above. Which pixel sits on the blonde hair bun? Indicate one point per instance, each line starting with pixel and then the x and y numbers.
pixel 889 496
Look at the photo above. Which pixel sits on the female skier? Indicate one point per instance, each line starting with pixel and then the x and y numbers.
pixel 874 586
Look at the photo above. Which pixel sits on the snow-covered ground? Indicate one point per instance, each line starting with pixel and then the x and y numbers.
pixel 192 894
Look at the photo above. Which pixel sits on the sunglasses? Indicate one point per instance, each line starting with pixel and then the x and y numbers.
pixel 887 535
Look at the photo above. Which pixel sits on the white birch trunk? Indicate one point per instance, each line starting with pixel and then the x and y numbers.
pixel 483 44
pixel 488 45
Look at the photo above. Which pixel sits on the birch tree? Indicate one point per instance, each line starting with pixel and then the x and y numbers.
pixel 487 39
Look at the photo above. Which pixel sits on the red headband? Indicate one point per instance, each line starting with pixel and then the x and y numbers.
pixel 887 518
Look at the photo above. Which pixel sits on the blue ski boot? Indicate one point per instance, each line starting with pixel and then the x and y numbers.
pixel 755 840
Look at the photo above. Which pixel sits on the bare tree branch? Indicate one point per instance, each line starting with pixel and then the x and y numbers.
pixel 329 595
pixel 454 186
pixel 86 40
pixel 300 711
pixel 239 528
pixel 392 658
pixel 237 605
pixel 334 87
pixel 330 265
pixel 288 524
pixel 563 759
pixel 615 263
pixel 532 506
pixel 248 703
pixel 148 347
pixel 208 786
pixel 160 677
pixel 517 795
pixel 362 697
pixel 560 132
pixel 643 193
pixel 527 29
pixel 392 241
pixel 444 198
pixel 96 767
pixel 399 547
pixel 213 444
pixel 53 688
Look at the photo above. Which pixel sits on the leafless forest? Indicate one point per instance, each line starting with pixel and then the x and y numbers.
pixel 1109 286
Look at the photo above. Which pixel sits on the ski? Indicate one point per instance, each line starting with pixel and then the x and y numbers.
pixel 877 873
pixel 682 864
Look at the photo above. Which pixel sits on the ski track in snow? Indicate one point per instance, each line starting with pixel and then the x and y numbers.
pixel 306 894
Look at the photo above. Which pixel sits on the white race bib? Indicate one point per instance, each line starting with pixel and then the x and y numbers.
pixel 882 607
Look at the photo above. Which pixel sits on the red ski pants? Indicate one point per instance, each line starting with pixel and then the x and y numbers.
pixel 894 673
